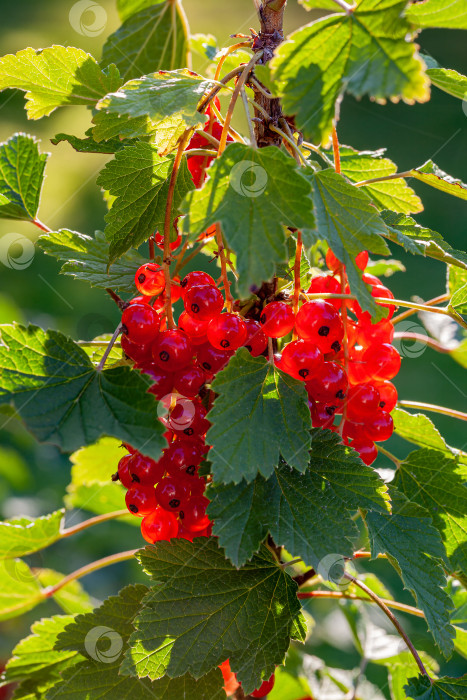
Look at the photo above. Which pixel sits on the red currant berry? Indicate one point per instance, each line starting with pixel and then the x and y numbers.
pixel 203 302
pixel 172 494
pixel 322 415
pixel 182 458
pixel 362 259
pixel 366 450
pixel 330 385
pixel 141 500
pixel 302 359
pixel 140 300
pixel 256 339
pixel 227 332
pixel 194 514
pixel 189 381
pixel 352 431
pixel 159 525
pixel 357 371
pixel 144 470
pixel 375 333
pixel 277 319
pixel 380 427
pixel 320 322
pixel 332 262
pixel 150 280
pixel 362 401
pixel 230 679
pixel 172 350
pixel 383 361
pixel 265 688
pixel 162 381
pixel 159 238
pixel 326 284
pixel 387 395
pixel 137 353
pixel 193 327
pixel 211 359
pixel 195 279
pixel 140 323
pixel 124 472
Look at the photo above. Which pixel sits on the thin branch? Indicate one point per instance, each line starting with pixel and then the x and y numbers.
pixel 225 279
pixel 118 300
pixel 335 148
pixel 351 596
pixel 389 455
pixel 206 135
pixel 104 357
pixel 67 532
pixel 42 226
pixel 182 262
pixel 383 178
pixel 425 339
pixel 297 266
pixel 257 85
pixel 200 151
pixel 291 143
pixel 345 343
pixel 251 128
pixel 410 312
pixel 434 408
pixel 315 149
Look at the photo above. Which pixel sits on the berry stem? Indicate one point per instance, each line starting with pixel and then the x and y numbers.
pixel 351 596
pixel 236 136
pixel 67 532
pixel 88 569
pixel 42 226
pixel 182 262
pixel 344 340
pixel 348 9
pixel 168 213
pixel 104 357
pixel 383 178
pixel 200 152
pixel 118 300
pixel 257 85
pixel 226 53
pixel 425 339
pixel 384 607
pixel 209 137
pixel 248 118
pixel 271 351
pixel 434 408
pixel 335 147
pixel 298 155
pixel 297 266
pixel 317 150
pixel 152 253
pixel 389 455
pixel 410 312
pixel 225 278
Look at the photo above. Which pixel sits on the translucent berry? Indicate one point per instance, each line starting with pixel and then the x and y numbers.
pixel 193 327
pixel 362 401
pixel 162 381
pixel 322 415
pixel 124 473
pixel 211 359
pixel 203 302
pixel 277 319
pixel 182 459
pixel 172 350
pixel 194 514
pixel 332 262
pixel 326 284
pixel 383 361
pixel 256 340
pixel 329 385
pixel 366 449
pixel 320 322
pixel 172 494
pixel 362 259
pixel 375 333
pixel 141 500
pixel 227 332
pixel 380 427
pixel 265 688
pixel 195 278
pixel 302 359
pixel 144 470
pixel 138 353
pixel 189 380
pixel 150 280
pixel 230 679
pixel 387 395
pixel 159 525
pixel 159 238
pixel 140 323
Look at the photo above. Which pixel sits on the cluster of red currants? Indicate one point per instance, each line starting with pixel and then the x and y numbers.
pixel 231 684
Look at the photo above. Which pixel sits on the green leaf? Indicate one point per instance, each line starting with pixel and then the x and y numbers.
pixel 459 300
pixel 152 39
pixel 419 240
pixel 89 144
pixel 385 268
pixel 200 600
pixel 389 194
pixel 415 550
pixel 21 176
pixel 259 414
pixel 430 174
pixel 438 13
pixel 310 514
pixel 449 80
pixel 365 52
pixel 437 481
pixel 19 588
pixel 87 259
pixel 445 688
pixel 72 598
pixel 460 641
pixel 139 179
pixel 419 429
pixel 403 666
pixel 63 399
pixel 103 635
pixel 349 223
pixel 57 76
pixel 21 536
pixel 167 99
pixel 127 8
pixel 253 194
pixel 204 44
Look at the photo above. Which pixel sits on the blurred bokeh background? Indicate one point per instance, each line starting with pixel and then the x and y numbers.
pixel 33 477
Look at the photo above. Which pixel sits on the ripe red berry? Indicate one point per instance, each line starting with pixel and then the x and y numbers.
pixel 193 327
pixel 256 340
pixel 140 323
pixel 265 688
pixel 159 238
pixel 380 427
pixel 330 385
pixel 375 333
pixel 162 381
pixel 141 500
pixel 277 319
pixel 322 415
pixel 182 458
pixel 302 359
pixel 366 449
pixel 326 284
pixel 194 514
pixel 320 322
pixel 187 418
pixel 332 262
pixel 144 470
pixel 124 473
pixel 387 395
pixel 211 359
pixel 149 279
pixel 159 525
pixel 362 401
pixel 383 361
pixel 137 353
pixel 172 350
pixel 189 380
pixel 362 259
pixel 203 302
pixel 195 279
pixel 172 494
pixel 227 332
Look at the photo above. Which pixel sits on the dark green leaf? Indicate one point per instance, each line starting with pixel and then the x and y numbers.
pixel 422 688
pixel 449 80
pixel 21 177
pixel 87 259
pixel 438 13
pixel 253 194
pixel 127 8
pixel 197 595
pixel 59 75
pixel 21 536
pixel 415 550
pixel 63 399
pixel 139 178
pixel 88 144
pixel 430 174
pixel 152 39
pixel 259 414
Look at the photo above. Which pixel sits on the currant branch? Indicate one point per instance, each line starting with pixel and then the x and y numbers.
pixel 339 595
pixel 434 408
pixel 69 531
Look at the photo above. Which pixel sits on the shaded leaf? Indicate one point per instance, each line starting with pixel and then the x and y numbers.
pixel 21 176
pixel 89 144
pixel 422 688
